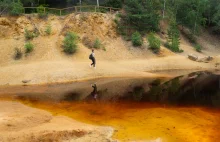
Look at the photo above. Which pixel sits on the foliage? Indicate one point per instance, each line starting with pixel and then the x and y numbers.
pixel 16 8
pixel 28 34
pixel 97 44
pixel 198 48
pixel 28 47
pixel 173 37
pixel 48 30
pixel 18 54
pixel 42 11
pixel 142 15
pixel 154 42
pixel 70 43
pixel 137 39
pixel 113 3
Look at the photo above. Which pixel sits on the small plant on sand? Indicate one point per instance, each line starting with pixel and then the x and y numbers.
pixel 154 42
pixel 28 47
pixel 48 30
pixel 18 54
pixel 198 48
pixel 137 39
pixel 70 43
pixel 97 44
pixel 28 34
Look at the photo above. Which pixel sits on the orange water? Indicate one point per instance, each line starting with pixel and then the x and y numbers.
pixel 141 121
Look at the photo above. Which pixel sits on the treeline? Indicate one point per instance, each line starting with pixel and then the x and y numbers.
pixel 194 14
pixel 145 15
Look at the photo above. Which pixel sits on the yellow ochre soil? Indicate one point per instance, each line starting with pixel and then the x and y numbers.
pixel 48 64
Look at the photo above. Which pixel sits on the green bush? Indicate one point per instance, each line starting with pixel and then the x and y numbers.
pixel 28 47
pixel 48 30
pixel 70 43
pixel 18 54
pixel 16 8
pixel 174 45
pixel 41 13
pixel 97 44
pixel 28 34
pixel 137 39
pixel 198 48
pixel 154 42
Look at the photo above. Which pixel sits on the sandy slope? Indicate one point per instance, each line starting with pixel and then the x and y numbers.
pixel 48 64
pixel 21 123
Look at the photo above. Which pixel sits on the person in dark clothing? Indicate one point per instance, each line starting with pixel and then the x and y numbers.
pixel 94 92
pixel 92 57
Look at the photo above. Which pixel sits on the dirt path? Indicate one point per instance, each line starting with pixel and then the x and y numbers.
pixel 66 70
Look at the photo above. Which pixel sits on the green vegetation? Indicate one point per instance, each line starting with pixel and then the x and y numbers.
pixel 137 39
pixel 16 8
pixel 29 35
pixel 198 48
pixel 48 30
pixel 29 47
pixel 70 43
pixel 18 54
pixel 97 44
pixel 173 37
pixel 154 42
pixel 41 10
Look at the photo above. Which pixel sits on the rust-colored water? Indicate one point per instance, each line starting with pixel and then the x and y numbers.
pixel 141 121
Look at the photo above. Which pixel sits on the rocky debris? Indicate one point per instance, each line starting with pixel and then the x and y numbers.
pixel 205 59
pixel 192 57
pixel 26 81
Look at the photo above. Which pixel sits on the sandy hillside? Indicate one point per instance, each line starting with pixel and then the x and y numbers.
pixel 21 123
pixel 48 63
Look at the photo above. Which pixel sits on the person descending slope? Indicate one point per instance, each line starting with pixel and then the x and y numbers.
pixel 92 57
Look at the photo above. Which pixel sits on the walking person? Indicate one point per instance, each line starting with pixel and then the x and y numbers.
pixel 92 57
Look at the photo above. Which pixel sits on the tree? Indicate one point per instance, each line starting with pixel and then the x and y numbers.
pixel 190 14
pixel 142 15
pixel 173 36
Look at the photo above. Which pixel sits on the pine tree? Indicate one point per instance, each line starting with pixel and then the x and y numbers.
pixel 173 37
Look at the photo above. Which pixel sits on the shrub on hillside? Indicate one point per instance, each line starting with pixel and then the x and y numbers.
pixel 198 48
pixel 18 54
pixel 70 43
pixel 97 44
pixel 154 42
pixel 28 47
pixel 16 8
pixel 41 13
pixel 28 34
pixel 48 30
pixel 136 39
